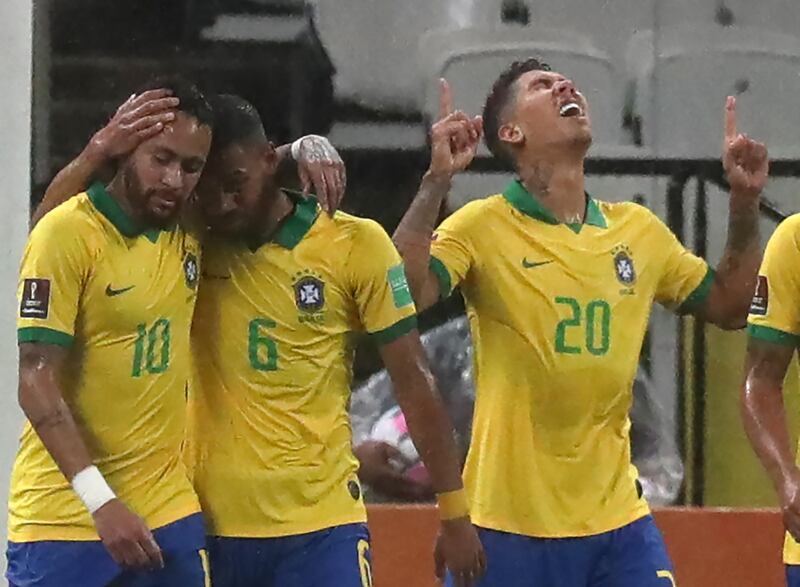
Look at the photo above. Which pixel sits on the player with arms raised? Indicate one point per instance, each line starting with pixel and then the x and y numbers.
pixel 559 288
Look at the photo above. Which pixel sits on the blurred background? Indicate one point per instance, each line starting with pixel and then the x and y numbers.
pixel 363 72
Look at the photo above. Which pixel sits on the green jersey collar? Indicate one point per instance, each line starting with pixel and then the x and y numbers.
pixel 525 202
pixel 111 209
pixel 297 224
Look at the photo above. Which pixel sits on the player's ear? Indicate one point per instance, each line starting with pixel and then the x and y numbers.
pixel 271 157
pixel 511 133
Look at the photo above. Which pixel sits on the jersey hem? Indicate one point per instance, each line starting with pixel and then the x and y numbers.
pixel 639 512
pixel 395 331
pixel 700 294
pixel 233 532
pixel 45 533
pixel 439 269
pixel 770 334
pixel 45 335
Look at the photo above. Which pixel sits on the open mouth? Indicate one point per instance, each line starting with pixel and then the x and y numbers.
pixel 570 109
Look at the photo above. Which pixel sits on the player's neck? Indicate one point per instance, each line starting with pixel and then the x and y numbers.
pixel 559 187
pixel 278 206
pixel 119 192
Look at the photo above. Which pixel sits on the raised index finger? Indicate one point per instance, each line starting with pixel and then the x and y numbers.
pixel 730 118
pixel 445 99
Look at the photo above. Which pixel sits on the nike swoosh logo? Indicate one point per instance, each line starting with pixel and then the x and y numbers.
pixel 528 265
pixel 111 292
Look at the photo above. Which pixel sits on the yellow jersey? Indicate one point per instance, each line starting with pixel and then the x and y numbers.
pixel 558 314
pixel 121 300
pixel 775 310
pixel 269 441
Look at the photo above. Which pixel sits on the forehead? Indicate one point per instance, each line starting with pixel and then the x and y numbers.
pixel 234 156
pixel 185 136
pixel 532 76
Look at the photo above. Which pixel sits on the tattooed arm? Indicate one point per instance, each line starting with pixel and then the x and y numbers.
pixel 746 167
pixel 454 141
pixel 320 167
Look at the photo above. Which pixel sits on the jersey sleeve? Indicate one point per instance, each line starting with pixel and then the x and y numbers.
pixel 452 250
pixel 54 267
pixel 775 309
pixel 685 280
pixel 383 298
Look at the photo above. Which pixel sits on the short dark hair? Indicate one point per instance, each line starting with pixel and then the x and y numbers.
pixel 498 99
pixel 237 121
pixel 192 100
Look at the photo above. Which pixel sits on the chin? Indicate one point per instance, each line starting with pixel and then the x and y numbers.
pixel 158 220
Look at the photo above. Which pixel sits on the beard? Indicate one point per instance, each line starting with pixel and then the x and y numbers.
pixel 141 199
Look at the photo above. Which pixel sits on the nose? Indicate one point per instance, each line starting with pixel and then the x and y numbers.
pixel 565 89
pixel 173 177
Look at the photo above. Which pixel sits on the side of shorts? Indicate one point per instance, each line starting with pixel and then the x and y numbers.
pixel 333 557
pixel 61 563
pixel 632 556
pixel 793 575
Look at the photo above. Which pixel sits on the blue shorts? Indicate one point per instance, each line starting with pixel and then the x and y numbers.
pixel 61 563
pixel 334 557
pixel 793 575
pixel 631 556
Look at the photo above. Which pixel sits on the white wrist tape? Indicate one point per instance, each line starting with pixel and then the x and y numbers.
pixel 296 145
pixel 92 489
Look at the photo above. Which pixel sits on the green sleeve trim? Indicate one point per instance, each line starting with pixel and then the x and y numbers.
pixel 392 333
pixel 698 297
pixel 769 334
pixel 46 335
pixel 442 275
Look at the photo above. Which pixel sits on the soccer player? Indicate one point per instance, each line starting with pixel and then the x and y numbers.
pixel 558 288
pixel 99 493
pixel 774 333
pixel 284 290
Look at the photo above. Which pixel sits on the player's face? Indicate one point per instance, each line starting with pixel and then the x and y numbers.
pixel 234 190
pixel 549 112
pixel 162 172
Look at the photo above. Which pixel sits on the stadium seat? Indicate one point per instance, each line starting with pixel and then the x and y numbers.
pixel 609 23
pixel 681 95
pixel 373 44
pixel 471 59
pixel 776 15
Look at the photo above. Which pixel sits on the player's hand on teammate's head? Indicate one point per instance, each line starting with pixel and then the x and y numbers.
pixel 136 120
pixel 378 469
pixel 454 137
pixel 790 503
pixel 459 551
pixel 322 170
pixel 746 161
pixel 126 537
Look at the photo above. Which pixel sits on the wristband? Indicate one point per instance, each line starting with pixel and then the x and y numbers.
pixel 296 145
pixel 453 504
pixel 92 489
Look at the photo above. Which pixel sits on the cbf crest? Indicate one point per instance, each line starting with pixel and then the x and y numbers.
pixel 309 292
pixel 624 267
pixel 190 270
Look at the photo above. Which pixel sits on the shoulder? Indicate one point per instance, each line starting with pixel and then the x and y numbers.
pixel 355 228
pixel 76 220
pixel 475 214
pixel 786 237
pixel 625 211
